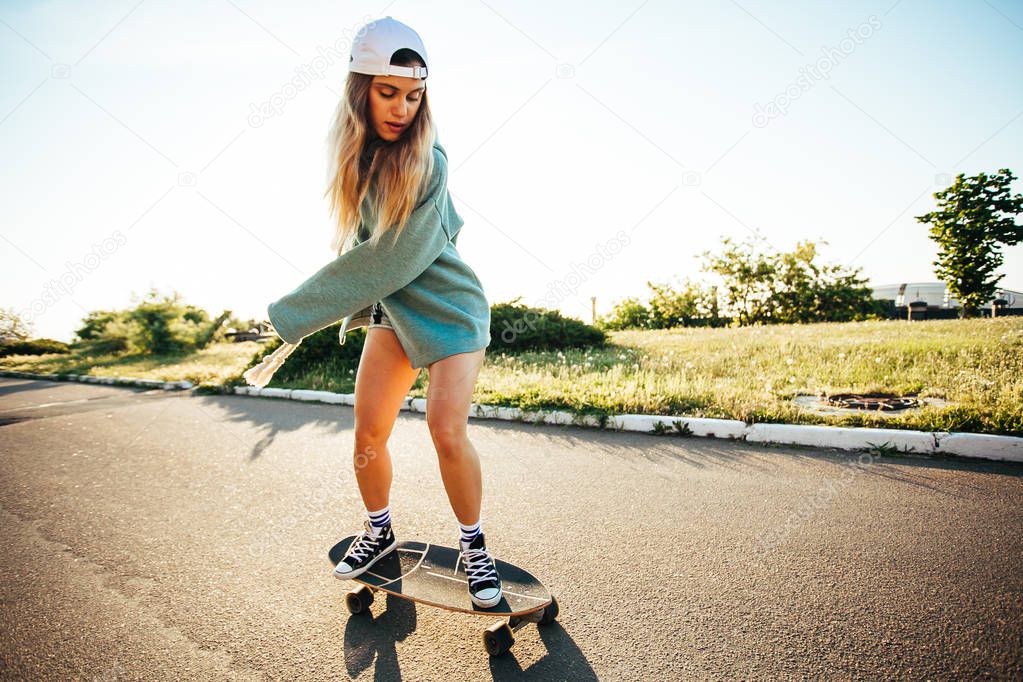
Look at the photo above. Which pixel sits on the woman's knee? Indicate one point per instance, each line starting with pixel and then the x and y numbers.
pixel 446 431
pixel 381 385
pixel 372 433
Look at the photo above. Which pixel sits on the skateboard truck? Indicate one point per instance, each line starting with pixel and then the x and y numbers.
pixel 498 638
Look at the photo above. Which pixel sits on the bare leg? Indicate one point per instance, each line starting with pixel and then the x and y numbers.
pixel 448 398
pixel 382 382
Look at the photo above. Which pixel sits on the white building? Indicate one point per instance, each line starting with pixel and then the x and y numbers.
pixel 936 295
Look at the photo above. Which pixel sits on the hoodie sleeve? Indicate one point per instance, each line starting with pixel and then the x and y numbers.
pixel 365 273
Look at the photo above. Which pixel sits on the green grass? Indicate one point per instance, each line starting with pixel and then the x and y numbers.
pixel 214 365
pixel 737 373
pixel 752 373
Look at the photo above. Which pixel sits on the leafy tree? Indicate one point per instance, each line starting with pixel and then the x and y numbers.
pixel 749 278
pixel 629 313
pixel 13 327
pixel 975 216
pixel 806 291
pixel 95 323
pixel 166 325
pixel 154 324
pixel 762 287
pixel 692 304
pixel 670 307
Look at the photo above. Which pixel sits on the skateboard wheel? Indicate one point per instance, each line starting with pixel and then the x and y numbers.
pixel 359 600
pixel 550 612
pixel 498 638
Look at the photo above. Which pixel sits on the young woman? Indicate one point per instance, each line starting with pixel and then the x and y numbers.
pixel 402 278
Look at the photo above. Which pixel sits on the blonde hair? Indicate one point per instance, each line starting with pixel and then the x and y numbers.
pixel 398 172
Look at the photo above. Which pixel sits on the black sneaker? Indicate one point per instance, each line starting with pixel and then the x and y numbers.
pixel 366 549
pixel 481 572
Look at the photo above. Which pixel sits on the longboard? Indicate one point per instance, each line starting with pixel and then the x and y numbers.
pixel 434 575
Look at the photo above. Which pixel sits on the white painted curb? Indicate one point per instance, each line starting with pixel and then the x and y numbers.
pixel 88 379
pixel 842 437
pixel 971 445
pixel 980 445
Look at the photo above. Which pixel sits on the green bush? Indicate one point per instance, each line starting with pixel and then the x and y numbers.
pixel 156 325
pixel 691 304
pixel 321 351
pixel 108 332
pixel 94 324
pixel 516 327
pixel 112 345
pixel 34 347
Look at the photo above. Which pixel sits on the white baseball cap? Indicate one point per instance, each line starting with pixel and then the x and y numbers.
pixel 376 43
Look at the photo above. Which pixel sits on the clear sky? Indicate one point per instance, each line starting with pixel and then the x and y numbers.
pixel 593 146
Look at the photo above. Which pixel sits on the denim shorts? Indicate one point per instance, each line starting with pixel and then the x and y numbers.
pixel 378 318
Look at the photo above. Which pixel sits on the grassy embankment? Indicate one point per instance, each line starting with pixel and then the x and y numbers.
pixel 740 373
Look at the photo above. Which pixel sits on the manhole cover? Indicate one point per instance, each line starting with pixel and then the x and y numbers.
pixel 894 407
pixel 879 402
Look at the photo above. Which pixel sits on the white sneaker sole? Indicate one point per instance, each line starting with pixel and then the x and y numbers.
pixel 493 601
pixel 359 571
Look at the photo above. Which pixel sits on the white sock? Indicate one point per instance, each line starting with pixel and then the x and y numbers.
pixel 379 519
pixel 469 532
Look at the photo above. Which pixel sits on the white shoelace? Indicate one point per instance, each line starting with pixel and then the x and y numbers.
pixel 362 546
pixel 477 565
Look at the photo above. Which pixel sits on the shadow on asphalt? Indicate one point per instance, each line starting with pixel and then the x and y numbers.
pixel 631 447
pixel 76 399
pixel 272 417
pixel 564 660
pixel 370 639
pixel 12 385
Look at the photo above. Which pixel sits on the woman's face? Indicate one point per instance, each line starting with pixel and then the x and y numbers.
pixel 394 99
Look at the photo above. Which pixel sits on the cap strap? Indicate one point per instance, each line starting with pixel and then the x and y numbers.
pixel 407 71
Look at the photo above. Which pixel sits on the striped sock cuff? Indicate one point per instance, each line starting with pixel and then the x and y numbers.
pixel 469 532
pixel 380 517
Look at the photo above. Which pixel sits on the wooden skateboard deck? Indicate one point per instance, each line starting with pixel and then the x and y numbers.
pixel 434 575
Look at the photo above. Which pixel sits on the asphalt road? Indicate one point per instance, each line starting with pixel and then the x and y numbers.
pixel 159 535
